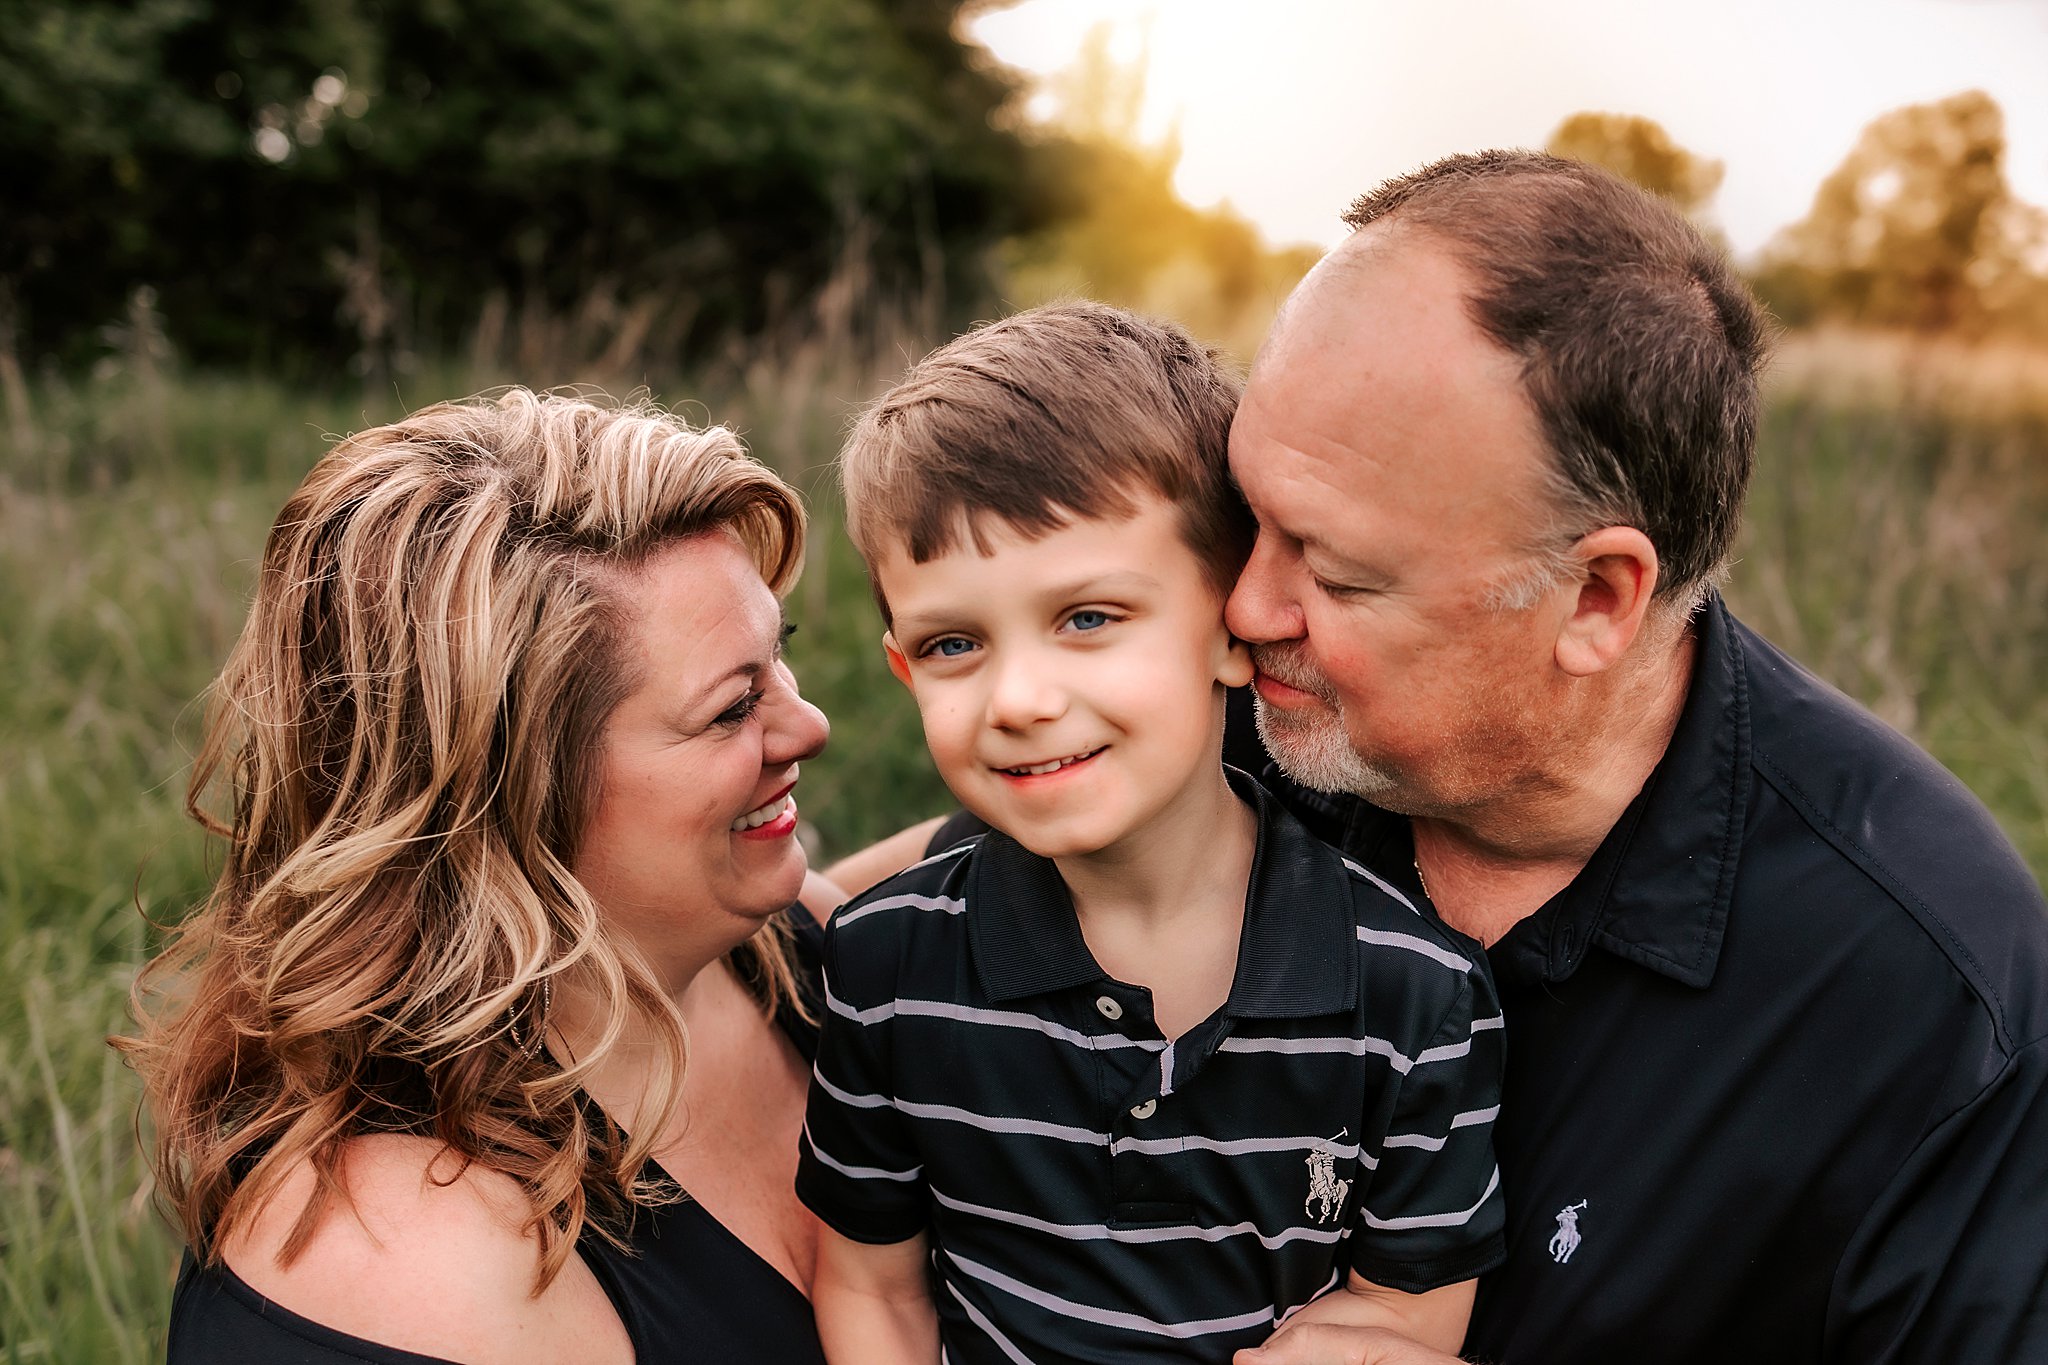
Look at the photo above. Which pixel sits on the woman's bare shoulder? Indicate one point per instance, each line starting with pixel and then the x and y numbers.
pixel 429 1259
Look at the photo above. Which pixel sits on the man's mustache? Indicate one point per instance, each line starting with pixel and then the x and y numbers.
pixel 1288 662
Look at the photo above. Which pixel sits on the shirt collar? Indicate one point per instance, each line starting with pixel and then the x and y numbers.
pixel 1296 954
pixel 1657 890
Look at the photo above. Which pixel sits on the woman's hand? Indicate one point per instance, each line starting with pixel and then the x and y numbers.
pixel 1317 1343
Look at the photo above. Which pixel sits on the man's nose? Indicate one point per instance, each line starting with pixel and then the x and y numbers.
pixel 1261 608
pixel 1024 693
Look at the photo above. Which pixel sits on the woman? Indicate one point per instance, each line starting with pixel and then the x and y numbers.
pixel 505 752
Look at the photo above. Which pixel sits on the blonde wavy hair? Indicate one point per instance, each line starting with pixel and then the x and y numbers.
pixel 406 744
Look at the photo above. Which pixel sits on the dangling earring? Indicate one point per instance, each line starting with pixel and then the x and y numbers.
pixel 530 1047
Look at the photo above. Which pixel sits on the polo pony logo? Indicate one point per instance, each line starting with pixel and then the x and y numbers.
pixel 1323 1185
pixel 1566 1239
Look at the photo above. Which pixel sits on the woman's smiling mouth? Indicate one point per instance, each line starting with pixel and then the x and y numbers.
pixel 774 810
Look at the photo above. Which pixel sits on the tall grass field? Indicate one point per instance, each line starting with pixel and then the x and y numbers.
pixel 1896 541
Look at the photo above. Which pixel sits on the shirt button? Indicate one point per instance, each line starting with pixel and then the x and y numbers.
pixel 1109 1007
pixel 1145 1110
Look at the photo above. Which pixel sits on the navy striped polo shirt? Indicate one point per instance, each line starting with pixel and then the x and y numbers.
pixel 1095 1191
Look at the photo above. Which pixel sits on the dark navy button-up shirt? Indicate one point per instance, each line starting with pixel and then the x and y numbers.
pixel 1777 1087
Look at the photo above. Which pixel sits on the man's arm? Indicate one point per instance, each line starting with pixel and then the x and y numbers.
pixel 820 896
pixel 859 870
pixel 872 1302
pixel 1950 1261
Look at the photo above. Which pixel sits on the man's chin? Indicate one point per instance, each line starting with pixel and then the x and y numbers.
pixel 1317 754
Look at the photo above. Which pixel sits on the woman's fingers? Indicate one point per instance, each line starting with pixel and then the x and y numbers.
pixel 1316 1343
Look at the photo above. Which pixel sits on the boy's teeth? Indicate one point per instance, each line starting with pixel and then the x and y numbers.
pixel 754 819
pixel 1041 769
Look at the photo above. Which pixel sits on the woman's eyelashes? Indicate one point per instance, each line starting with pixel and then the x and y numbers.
pixel 736 715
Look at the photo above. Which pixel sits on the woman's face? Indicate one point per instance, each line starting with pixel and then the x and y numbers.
pixel 692 844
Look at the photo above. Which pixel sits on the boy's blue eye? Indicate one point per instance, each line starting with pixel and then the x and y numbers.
pixel 1088 620
pixel 951 647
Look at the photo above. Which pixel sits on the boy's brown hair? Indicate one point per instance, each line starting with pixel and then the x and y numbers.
pixel 1055 413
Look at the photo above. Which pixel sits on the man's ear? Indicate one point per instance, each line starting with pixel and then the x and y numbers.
pixel 1236 669
pixel 1616 580
pixel 898 665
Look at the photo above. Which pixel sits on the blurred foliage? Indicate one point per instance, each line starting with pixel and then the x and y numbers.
pixel 1119 230
pixel 1917 228
pixel 355 179
pixel 1639 149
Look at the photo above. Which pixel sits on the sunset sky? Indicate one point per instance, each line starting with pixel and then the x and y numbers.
pixel 1288 108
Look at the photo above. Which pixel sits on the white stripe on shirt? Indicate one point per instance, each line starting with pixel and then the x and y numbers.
pixel 1412 944
pixel 951 905
pixel 972 1014
pixel 1102 1232
pixel 858 1172
pixel 1382 883
pixel 1107 1317
pixel 1471 1118
pixel 980 1319
pixel 1358 1047
pixel 1432 1220
pixel 1256 1146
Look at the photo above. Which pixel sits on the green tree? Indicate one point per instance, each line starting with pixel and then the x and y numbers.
pixel 317 177
pixel 1639 149
pixel 1916 228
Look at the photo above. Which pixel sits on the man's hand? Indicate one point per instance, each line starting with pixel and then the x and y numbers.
pixel 1319 1343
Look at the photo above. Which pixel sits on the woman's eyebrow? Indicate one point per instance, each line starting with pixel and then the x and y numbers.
pixel 707 696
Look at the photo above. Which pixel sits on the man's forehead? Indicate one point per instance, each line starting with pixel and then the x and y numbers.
pixel 1380 389
pixel 1373 282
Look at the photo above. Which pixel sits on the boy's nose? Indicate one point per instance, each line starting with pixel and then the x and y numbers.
pixel 1024 695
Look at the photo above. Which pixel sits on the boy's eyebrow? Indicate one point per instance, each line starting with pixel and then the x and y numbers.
pixel 908 623
pixel 1116 580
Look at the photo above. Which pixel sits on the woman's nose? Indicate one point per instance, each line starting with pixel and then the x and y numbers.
pixel 798 730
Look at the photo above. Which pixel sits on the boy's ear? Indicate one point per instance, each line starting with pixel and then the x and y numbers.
pixel 898 665
pixel 1236 669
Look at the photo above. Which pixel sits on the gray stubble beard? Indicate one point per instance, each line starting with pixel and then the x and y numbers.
pixel 1316 752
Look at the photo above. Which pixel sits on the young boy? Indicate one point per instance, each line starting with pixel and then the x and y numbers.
pixel 1146 1071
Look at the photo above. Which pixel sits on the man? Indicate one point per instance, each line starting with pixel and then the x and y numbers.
pixel 1775 986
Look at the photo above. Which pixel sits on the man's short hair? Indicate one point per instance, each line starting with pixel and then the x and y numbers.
pixel 1641 349
pixel 1055 413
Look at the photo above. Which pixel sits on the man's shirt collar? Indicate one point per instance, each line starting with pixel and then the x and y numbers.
pixel 1657 890
pixel 1296 953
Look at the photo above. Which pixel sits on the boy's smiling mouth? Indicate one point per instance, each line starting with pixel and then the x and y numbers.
pixel 1053 766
